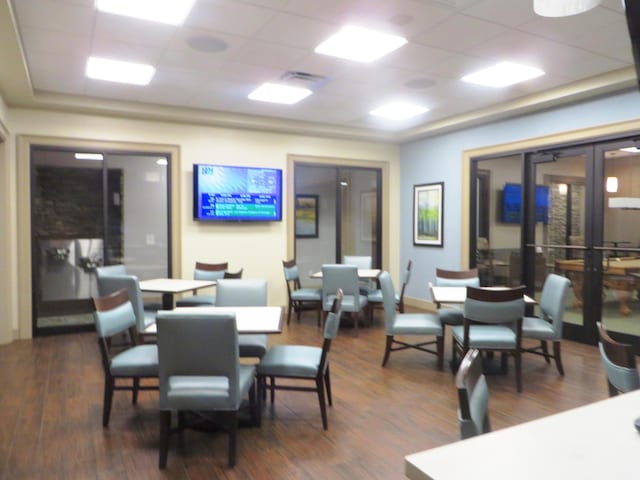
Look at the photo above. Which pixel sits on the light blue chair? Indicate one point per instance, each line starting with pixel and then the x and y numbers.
pixel 473 396
pixel 119 270
pixel 300 298
pixel 619 362
pixel 492 322
pixel 145 319
pixel 245 293
pixel 343 277
pixel 114 317
pixel 406 324
pixel 204 271
pixel 364 262
pixel 375 297
pixel 548 327
pixel 200 371
pixel 301 362
pixel 453 314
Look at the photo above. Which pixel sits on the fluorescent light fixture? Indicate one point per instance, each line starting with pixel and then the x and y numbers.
pixel 627 203
pixel 612 184
pixel 162 161
pixel 117 71
pixel 172 12
pixel 360 44
pixel 275 93
pixel 630 149
pixel 344 184
pixel 562 8
pixel 89 156
pixel 503 74
pixel 398 111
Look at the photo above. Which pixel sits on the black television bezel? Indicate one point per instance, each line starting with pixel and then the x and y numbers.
pixel 196 195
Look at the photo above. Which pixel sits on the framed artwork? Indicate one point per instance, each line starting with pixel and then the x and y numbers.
pixel 306 216
pixel 428 214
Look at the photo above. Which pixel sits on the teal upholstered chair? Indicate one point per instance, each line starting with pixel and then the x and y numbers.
pixel 364 262
pixel 492 322
pixel 301 362
pixel 453 314
pixel 200 371
pixel 408 324
pixel 343 277
pixel 115 317
pixel 145 319
pixel 548 327
pixel 473 396
pixel 375 297
pixel 300 298
pixel 120 270
pixel 619 362
pixel 204 271
pixel 245 293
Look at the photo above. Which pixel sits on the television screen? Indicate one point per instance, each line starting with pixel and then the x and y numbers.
pixel 512 203
pixel 227 193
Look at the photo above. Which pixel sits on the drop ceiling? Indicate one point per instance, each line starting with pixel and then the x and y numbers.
pixel 226 48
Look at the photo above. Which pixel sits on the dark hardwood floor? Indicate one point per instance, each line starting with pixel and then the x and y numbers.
pixel 51 403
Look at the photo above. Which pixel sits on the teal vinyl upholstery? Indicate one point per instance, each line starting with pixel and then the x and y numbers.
pixel 548 326
pixel 200 370
pixel 473 396
pixel 408 324
pixel 364 262
pixel 302 362
pixel 116 271
pixel 619 363
pixel 115 317
pixel 204 271
pixel 343 277
pixel 300 298
pixel 245 293
pixel 492 321
pixel 453 314
pixel 375 296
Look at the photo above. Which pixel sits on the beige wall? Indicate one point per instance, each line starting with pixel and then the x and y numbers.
pixel 258 248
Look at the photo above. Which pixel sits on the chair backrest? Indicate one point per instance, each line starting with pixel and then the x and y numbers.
pixel 495 306
pixel 113 314
pixel 195 344
pixel 235 275
pixel 360 261
pixel 388 300
pixel 111 270
pixel 331 327
pixel 473 396
pixel 108 284
pixel 457 278
pixel 343 276
pixel 291 275
pixel 209 271
pixel 406 276
pixel 552 301
pixel 241 293
pixel 619 363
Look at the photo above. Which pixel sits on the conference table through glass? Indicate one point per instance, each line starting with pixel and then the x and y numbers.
pixel 168 287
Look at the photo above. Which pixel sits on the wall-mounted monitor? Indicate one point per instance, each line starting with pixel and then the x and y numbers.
pixel 512 203
pixel 237 194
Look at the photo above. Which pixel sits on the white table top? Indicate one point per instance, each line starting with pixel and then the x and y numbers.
pixel 174 285
pixel 597 441
pixel 368 273
pixel 458 294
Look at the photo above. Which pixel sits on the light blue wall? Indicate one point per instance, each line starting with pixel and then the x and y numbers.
pixel 439 159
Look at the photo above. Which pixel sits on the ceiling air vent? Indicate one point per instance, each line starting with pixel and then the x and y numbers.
pixel 303 79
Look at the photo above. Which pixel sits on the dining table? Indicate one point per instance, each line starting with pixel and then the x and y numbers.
pixel 363 274
pixel 168 287
pixel 442 295
pixel 593 442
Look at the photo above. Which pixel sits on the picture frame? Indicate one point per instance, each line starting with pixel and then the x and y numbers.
pixel 306 216
pixel 428 214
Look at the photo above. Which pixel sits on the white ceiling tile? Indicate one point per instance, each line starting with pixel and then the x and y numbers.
pixel 459 32
pixel 55 15
pixel 415 57
pixel 54 42
pixel 269 55
pixel 509 13
pixel 229 16
pixel 132 30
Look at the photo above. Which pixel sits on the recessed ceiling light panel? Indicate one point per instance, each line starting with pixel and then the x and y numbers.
pixel 88 156
pixel 275 93
pixel 117 71
pixel 360 44
pixel 399 111
pixel 172 12
pixel 502 75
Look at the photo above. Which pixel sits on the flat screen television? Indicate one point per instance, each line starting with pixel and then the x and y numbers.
pixel 512 203
pixel 237 194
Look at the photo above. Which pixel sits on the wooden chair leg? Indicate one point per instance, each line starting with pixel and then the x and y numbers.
pixel 387 349
pixel 165 425
pixel 319 313
pixel 289 312
pixel 323 407
pixel 518 361
pixel 108 397
pixel 545 350
pixel 233 434
pixel 440 350
pixel 272 386
pixel 136 387
pixel 327 384
pixel 558 357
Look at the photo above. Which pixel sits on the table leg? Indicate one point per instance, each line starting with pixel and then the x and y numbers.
pixel 167 301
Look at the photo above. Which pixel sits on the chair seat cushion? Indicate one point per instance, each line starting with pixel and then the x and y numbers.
pixel 486 336
pixel 348 303
pixel 307 295
pixel 451 316
pixel 141 360
pixel 291 361
pixel 252 345
pixel 375 296
pixel 537 328
pixel 196 300
pixel 416 324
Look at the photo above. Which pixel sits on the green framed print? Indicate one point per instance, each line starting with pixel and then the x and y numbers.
pixel 428 214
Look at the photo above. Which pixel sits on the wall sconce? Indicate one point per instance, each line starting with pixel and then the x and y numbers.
pixel 612 184
pixel 563 8
pixel 563 188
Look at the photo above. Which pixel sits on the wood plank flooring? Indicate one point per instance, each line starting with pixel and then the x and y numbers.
pixel 51 404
